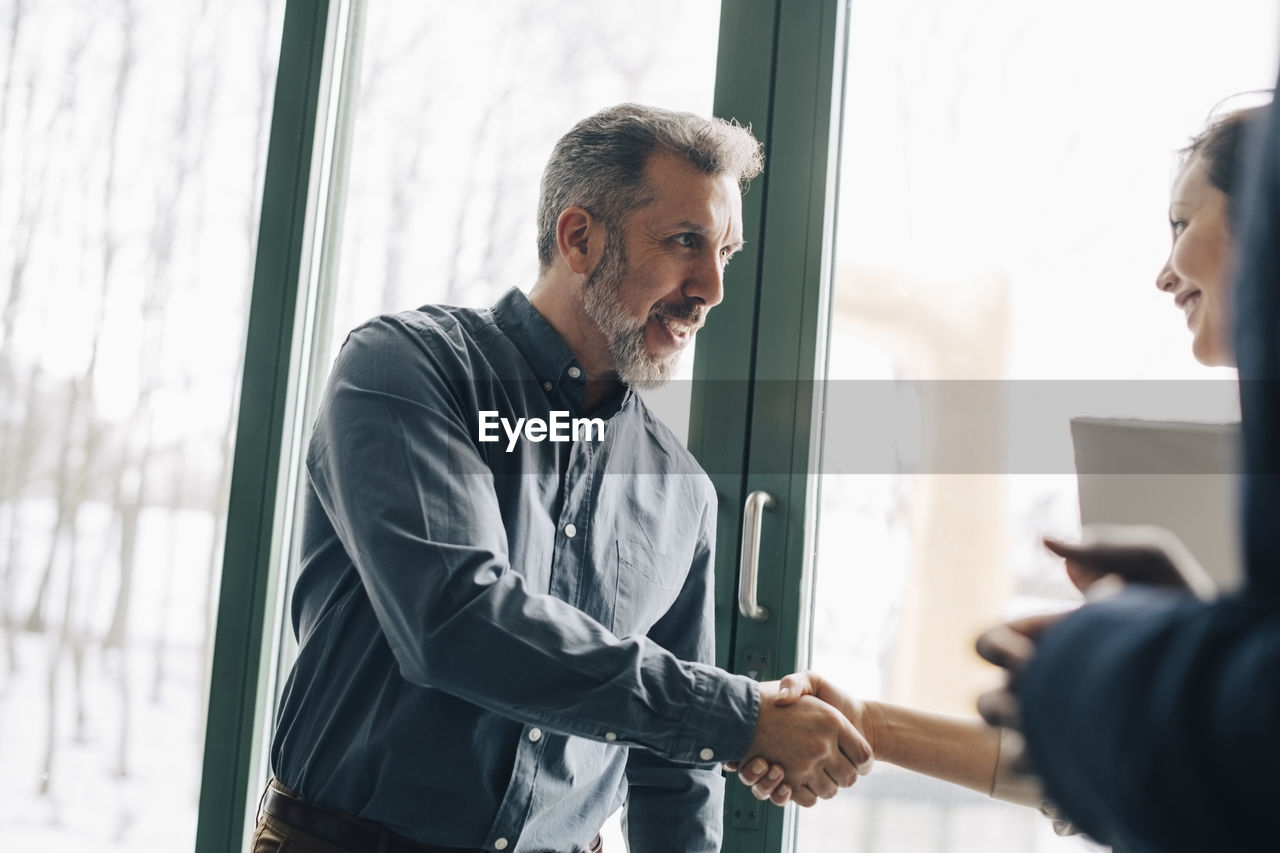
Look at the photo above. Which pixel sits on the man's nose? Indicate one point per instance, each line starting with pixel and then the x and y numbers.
pixel 707 282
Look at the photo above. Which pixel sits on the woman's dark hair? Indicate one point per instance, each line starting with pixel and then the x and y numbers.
pixel 1221 144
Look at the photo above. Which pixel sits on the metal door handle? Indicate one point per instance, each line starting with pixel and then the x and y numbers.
pixel 752 519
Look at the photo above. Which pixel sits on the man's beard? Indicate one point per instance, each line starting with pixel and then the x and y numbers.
pixel 624 334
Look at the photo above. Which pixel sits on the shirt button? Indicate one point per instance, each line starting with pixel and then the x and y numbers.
pixel 535 735
pixel 571 530
pixel 610 736
pixel 546 386
pixel 574 372
pixel 500 844
pixel 707 753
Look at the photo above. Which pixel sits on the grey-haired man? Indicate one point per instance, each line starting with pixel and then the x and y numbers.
pixel 501 641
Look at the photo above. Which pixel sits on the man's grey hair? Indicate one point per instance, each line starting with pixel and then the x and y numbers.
pixel 599 164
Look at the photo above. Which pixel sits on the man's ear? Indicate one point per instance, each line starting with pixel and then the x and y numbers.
pixel 578 233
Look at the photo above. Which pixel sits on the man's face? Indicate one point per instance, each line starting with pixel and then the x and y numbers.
pixel 663 270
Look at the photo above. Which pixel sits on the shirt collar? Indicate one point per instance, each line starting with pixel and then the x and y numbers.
pixel 551 359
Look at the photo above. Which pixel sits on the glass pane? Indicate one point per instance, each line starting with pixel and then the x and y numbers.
pixel 132 146
pixel 448 151
pixel 1002 210
pixel 458 108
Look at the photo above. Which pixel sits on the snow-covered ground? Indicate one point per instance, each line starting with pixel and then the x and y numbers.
pixel 126 731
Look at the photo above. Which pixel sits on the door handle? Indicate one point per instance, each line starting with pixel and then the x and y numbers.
pixel 752 519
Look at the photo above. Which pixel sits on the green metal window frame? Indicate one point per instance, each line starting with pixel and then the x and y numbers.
pixel 249 574
pixel 756 406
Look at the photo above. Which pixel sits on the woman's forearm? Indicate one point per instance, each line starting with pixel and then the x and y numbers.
pixel 963 751
pixel 960 750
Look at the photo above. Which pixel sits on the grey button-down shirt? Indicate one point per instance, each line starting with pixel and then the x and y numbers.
pixel 497 645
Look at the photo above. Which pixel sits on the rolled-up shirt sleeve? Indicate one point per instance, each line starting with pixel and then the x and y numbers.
pixel 395 466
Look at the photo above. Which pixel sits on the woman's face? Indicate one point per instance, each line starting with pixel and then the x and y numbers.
pixel 1197 272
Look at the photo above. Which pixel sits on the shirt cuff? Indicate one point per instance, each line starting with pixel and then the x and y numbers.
pixel 722 721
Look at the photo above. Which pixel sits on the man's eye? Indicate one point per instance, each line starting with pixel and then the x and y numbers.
pixel 687 239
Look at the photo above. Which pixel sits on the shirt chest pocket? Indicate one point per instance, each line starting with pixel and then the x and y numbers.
pixel 647 584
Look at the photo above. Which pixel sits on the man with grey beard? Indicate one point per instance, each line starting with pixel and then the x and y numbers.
pixel 500 644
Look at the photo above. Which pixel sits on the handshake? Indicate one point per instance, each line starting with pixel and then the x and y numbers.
pixel 812 738
pixel 810 741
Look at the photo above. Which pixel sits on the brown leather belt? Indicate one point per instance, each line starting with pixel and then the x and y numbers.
pixel 350 832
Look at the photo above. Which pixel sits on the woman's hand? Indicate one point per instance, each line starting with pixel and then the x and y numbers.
pixel 1140 554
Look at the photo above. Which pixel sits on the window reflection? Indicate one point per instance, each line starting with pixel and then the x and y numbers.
pixel 457 110
pixel 132 146
pixel 1001 219
pixel 459 106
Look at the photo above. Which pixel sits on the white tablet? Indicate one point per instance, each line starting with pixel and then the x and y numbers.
pixel 1182 476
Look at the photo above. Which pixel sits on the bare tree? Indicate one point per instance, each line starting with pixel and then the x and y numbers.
pixel 82 437
pixel 266 76
pixel 15 28
pixel 18 436
pixel 188 141
pixel 177 476
pixel 457 289
pixel 403 200
pixel 20 448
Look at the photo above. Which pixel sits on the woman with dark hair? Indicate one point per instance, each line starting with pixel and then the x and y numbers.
pixel 1198 271
pixel 1152 717
pixel 1197 274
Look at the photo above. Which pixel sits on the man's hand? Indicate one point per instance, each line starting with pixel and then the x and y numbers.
pixel 819 748
pixel 1011 646
pixel 1133 554
pixel 767 781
